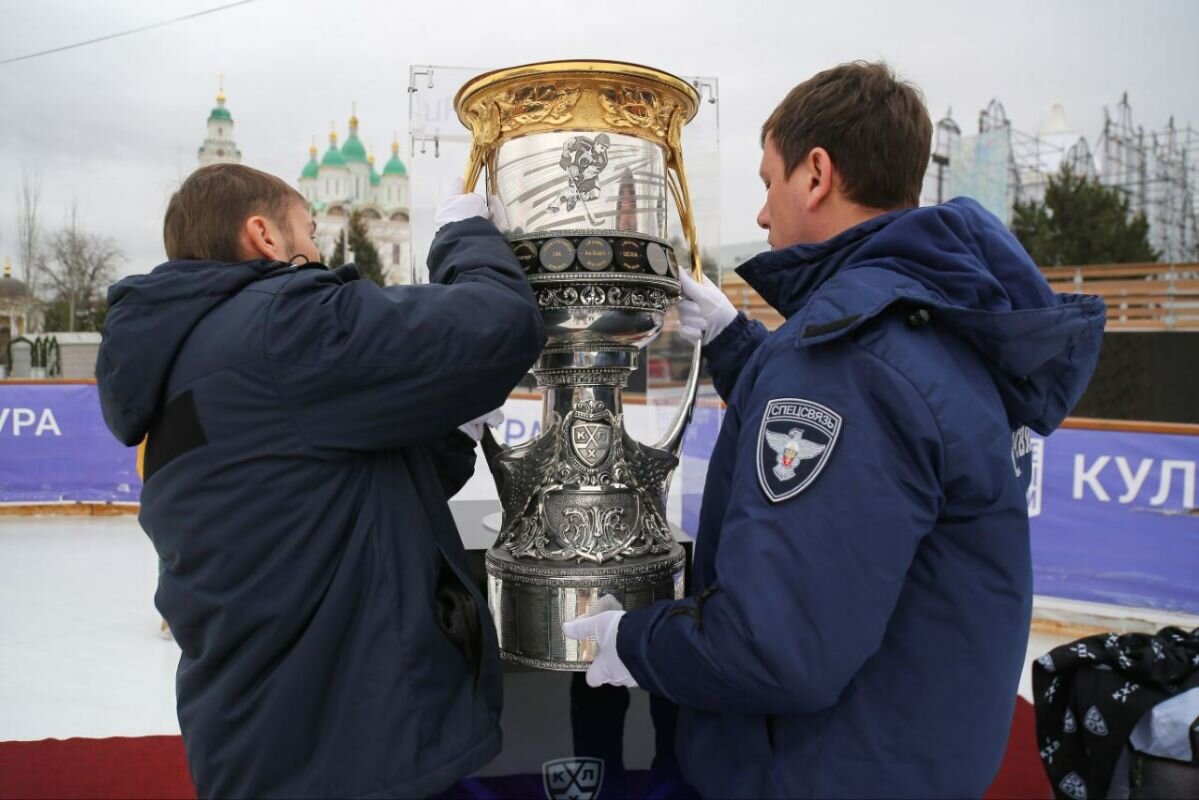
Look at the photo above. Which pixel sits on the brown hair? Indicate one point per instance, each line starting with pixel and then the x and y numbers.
pixel 873 125
pixel 204 216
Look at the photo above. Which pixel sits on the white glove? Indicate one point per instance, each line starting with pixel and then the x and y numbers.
pixel 474 428
pixel 459 206
pixel 601 626
pixel 705 310
pixel 499 215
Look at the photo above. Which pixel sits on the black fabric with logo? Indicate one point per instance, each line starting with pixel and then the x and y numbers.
pixel 1090 693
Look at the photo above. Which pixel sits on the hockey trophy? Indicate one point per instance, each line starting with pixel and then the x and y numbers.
pixel 583 156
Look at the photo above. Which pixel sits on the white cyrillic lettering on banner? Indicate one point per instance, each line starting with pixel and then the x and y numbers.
pixel 21 418
pixel 1131 481
pixel 18 419
pixel 1187 468
pixel 1089 477
pixel 47 423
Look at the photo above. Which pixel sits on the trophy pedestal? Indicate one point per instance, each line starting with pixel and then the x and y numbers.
pixel 553 714
pixel 531 599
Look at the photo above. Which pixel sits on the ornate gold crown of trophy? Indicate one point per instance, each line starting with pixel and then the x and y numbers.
pixel 583 155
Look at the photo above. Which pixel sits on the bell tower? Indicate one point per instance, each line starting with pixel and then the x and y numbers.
pixel 219 147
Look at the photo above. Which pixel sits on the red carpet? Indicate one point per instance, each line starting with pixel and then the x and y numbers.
pixel 154 767
pixel 138 768
pixel 1021 776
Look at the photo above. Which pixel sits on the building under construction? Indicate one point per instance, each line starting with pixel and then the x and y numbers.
pixel 1155 169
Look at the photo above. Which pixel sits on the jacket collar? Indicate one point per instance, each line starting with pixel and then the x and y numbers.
pixel 787 278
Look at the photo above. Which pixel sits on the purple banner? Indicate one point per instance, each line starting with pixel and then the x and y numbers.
pixel 1112 514
pixel 54 447
pixel 1113 518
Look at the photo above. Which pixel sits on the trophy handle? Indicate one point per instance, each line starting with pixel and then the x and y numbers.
pixel 492 447
pixel 677 180
pixel 474 168
pixel 672 442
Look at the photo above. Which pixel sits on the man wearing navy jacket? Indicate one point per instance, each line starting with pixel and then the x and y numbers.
pixel 305 430
pixel 862 579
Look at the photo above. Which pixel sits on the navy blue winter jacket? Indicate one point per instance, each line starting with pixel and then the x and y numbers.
pixel 863 586
pixel 301 451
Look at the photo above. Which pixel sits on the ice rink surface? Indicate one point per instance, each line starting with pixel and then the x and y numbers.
pixel 80 649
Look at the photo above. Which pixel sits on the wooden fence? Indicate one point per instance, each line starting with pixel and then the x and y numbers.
pixel 1139 297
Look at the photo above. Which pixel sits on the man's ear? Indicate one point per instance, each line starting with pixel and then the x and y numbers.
pixel 258 238
pixel 820 177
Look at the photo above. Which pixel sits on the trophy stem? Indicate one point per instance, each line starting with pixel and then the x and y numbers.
pixel 569 375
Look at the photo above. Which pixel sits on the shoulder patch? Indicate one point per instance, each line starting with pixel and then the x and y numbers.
pixel 795 443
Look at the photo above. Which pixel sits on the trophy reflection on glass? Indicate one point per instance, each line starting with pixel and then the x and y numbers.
pixel 584 156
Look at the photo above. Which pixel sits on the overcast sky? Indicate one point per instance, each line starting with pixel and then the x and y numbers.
pixel 114 126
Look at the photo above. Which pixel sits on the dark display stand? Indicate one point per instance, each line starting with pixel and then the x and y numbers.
pixel 555 715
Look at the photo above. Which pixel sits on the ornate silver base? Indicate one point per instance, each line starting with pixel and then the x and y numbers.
pixel 584 503
pixel 531 599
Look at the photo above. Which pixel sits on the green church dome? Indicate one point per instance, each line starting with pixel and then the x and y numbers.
pixel 353 150
pixel 394 166
pixel 333 156
pixel 219 111
pixel 312 167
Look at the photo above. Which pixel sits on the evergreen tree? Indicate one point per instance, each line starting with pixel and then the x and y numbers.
pixel 88 315
pixel 1081 222
pixel 366 256
pixel 338 257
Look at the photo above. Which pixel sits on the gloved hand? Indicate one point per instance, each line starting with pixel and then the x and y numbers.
pixel 459 206
pixel 499 214
pixel 601 626
pixel 474 428
pixel 705 310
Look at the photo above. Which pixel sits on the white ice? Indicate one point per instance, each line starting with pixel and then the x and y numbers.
pixel 80 650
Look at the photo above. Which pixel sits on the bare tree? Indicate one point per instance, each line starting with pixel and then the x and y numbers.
pixel 29 232
pixel 77 266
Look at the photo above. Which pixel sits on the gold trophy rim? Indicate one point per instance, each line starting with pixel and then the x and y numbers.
pixel 486 137
pixel 583 68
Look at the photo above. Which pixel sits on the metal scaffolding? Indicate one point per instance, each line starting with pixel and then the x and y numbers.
pixel 1157 171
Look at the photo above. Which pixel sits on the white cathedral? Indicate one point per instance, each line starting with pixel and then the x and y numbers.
pixel 343 181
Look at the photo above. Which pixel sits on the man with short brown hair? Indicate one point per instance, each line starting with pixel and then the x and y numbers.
pixel 305 431
pixel 204 219
pixel 862 583
pixel 873 126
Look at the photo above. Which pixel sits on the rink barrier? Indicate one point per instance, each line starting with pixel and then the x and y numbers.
pixel 1112 502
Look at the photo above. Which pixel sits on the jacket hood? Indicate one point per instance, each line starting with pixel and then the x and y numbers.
pixel 969 272
pixel 149 318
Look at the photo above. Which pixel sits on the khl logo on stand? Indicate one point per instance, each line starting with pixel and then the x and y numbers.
pixel 795 443
pixel 572 778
